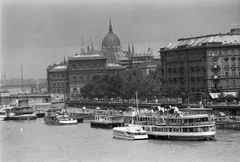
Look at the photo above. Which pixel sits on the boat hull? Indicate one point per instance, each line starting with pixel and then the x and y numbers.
pixel 2 118
pixel 230 125
pixel 40 115
pixel 182 136
pixel 119 136
pixel 22 117
pixel 105 125
pixel 57 122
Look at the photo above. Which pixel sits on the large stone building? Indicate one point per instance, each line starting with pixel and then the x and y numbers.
pixel 69 77
pixel 207 64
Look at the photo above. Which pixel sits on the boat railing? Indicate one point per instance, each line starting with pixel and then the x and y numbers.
pixel 191 124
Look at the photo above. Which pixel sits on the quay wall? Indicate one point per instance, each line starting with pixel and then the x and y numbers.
pixel 32 99
pixel 228 110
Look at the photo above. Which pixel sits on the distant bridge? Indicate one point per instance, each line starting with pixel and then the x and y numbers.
pixel 42 85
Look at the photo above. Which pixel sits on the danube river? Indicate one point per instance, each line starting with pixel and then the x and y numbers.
pixel 34 141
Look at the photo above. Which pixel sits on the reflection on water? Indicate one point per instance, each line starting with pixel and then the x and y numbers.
pixel 35 141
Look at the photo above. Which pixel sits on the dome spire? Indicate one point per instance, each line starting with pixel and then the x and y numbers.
pixel 110 26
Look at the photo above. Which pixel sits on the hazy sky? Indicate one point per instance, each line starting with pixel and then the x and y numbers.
pixel 38 33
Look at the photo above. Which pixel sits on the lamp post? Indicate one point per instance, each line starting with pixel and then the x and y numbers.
pixel 201 94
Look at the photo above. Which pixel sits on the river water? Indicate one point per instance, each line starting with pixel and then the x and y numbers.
pixel 34 141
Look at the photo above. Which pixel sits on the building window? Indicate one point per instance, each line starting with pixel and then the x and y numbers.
pixel 74 79
pixel 234 82
pixel 226 73
pixel 233 60
pixel 226 63
pixel 226 60
pixel 81 79
pixel 233 73
pixel 58 83
pixel 54 84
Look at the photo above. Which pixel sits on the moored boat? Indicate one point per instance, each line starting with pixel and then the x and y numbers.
pixel 3 115
pixel 130 132
pixel 107 121
pixel 40 113
pixel 177 126
pixel 20 113
pixel 41 108
pixel 59 118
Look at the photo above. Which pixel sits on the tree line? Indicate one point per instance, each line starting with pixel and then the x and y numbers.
pixel 125 84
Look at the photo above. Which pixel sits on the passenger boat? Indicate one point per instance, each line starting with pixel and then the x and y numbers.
pixel 107 121
pixel 3 115
pixel 177 126
pixel 56 117
pixel 130 132
pixel 20 113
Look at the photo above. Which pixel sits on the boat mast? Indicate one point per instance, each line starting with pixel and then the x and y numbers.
pixel 22 77
pixel 137 101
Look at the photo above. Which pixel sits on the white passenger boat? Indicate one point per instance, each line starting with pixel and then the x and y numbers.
pixel 21 113
pixel 3 115
pixel 130 132
pixel 177 126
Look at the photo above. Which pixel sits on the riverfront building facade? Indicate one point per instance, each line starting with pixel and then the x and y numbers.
pixel 207 64
pixel 69 77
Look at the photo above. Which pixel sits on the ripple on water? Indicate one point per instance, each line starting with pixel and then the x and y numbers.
pixel 40 142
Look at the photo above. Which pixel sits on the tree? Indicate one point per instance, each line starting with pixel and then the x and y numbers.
pixel 87 90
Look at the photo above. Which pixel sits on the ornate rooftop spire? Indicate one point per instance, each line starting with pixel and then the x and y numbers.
pixel 110 26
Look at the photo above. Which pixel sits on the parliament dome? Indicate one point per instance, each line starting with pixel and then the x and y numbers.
pixel 111 40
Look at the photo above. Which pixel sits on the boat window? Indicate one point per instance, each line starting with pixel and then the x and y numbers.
pixel 154 129
pixel 160 129
pixel 191 129
pixel 185 130
pixel 190 120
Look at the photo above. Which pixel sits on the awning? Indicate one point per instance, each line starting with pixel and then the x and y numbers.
pixel 214 95
pixel 230 93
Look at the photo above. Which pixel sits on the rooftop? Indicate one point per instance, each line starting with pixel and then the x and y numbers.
pixel 86 56
pixel 231 38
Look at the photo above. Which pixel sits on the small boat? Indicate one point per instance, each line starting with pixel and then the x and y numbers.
pixel 107 121
pixel 21 113
pixel 59 118
pixel 40 113
pixel 130 132
pixel 41 108
pixel 3 115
